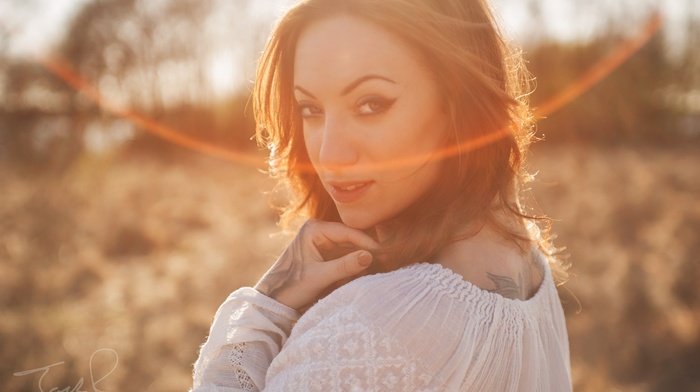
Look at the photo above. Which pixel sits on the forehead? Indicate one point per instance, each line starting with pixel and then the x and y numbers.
pixel 336 50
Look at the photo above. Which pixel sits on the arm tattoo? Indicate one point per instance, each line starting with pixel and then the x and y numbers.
pixel 282 275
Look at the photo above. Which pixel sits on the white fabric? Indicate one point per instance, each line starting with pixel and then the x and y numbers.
pixel 420 328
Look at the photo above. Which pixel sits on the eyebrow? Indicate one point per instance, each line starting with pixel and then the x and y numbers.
pixel 350 87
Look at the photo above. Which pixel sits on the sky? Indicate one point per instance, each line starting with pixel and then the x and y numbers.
pixel 35 25
pixel 38 24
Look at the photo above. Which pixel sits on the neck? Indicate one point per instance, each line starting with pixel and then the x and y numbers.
pixel 484 239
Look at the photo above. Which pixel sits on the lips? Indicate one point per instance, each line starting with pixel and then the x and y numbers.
pixel 349 191
pixel 352 187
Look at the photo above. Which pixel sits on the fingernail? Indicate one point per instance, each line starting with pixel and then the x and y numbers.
pixel 364 259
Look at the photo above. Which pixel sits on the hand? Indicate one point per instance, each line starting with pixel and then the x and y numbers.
pixel 302 272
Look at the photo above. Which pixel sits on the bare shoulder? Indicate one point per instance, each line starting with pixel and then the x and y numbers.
pixel 498 267
pixel 521 283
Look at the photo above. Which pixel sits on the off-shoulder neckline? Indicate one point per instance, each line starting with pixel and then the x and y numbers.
pixel 456 285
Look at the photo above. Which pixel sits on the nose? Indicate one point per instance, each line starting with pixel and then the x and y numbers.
pixel 338 151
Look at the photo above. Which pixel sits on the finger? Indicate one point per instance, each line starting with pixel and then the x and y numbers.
pixel 336 252
pixel 346 266
pixel 328 245
pixel 333 233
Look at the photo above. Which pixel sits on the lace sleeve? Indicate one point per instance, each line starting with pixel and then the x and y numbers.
pixel 341 350
pixel 247 333
pixel 421 328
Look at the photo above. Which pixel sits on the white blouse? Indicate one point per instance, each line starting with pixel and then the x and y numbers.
pixel 419 328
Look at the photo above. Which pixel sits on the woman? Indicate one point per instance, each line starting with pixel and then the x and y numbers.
pixel 400 126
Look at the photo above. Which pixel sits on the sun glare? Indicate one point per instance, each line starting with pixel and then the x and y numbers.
pixel 221 72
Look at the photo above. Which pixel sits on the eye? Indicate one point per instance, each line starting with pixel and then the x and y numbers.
pixel 374 105
pixel 308 110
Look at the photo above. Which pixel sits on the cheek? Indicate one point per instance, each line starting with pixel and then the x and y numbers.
pixel 413 139
pixel 312 143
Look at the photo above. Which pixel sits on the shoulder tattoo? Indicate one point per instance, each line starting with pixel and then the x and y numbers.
pixel 506 286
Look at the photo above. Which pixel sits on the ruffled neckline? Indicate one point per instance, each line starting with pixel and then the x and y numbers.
pixel 454 285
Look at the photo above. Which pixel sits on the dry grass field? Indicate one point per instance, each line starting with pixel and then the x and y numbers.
pixel 134 255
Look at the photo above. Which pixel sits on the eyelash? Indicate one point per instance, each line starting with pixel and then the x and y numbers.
pixel 384 105
pixel 301 107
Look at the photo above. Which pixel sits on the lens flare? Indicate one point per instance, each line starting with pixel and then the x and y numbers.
pixel 62 70
pixel 593 76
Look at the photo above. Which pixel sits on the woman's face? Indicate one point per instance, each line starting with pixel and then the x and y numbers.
pixel 367 102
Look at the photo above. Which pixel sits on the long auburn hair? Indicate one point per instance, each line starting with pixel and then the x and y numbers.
pixel 485 87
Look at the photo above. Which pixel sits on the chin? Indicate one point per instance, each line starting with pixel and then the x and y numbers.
pixel 358 220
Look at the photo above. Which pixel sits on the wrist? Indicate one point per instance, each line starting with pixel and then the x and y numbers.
pixel 276 295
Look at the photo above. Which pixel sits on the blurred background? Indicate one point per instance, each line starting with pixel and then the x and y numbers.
pixel 114 238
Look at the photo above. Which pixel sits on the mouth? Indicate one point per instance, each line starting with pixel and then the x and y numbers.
pixel 349 191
